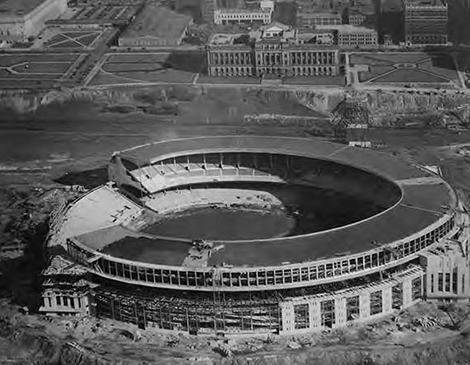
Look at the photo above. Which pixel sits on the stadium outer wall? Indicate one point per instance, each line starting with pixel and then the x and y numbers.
pixel 284 299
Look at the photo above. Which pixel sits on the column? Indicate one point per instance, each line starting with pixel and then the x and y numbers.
pixel 364 305
pixel 407 293
pixel 340 312
pixel 387 299
pixel 287 317
pixel 314 315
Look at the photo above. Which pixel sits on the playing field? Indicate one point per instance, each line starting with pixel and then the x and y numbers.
pixel 401 67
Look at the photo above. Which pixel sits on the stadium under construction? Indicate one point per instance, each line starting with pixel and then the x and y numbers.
pixel 387 235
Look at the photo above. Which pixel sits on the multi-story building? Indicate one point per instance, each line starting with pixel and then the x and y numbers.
pixel 360 12
pixel 263 14
pixel 310 19
pixel 356 19
pixel 274 50
pixel 21 20
pixel 426 22
pixel 349 35
pixel 230 55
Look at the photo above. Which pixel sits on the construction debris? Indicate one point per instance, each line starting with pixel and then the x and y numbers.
pixel 427 322
pixel 294 345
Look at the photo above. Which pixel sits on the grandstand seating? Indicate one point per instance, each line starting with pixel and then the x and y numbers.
pixel 261 166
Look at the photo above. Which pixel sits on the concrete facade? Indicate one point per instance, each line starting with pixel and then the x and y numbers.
pixel 338 310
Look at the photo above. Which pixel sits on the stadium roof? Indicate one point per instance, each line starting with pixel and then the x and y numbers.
pixel 427 200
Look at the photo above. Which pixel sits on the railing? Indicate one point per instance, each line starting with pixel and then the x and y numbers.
pixel 259 278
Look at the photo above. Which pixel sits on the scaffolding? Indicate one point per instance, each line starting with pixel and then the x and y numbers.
pixel 417 288
pixel 327 310
pixel 376 305
pixel 397 296
pixel 352 308
pixel 353 115
pixel 189 311
pixel 301 316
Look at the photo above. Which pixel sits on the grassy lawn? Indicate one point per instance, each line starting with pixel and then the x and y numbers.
pixel 46 68
pixel 10 59
pixel 204 79
pixel 130 67
pixel 410 75
pixel 316 80
pixel 167 76
pixel 427 67
pixel 137 57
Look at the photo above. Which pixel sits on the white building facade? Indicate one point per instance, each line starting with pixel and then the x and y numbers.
pixel 262 14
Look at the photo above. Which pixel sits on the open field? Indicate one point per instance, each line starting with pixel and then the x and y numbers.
pixel 391 68
pixel 316 80
pixel 31 70
pixel 70 39
pixel 100 12
pixel 157 67
pixel 7 60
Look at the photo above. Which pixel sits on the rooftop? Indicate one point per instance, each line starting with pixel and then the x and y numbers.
pixel 346 28
pixel 61 266
pixel 222 39
pixel 18 7
pixel 439 3
pixel 244 10
pixel 158 21
pixel 316 14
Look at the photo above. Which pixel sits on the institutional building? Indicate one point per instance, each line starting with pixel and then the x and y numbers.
pixel 352 36
pixel 156 26
pixel 426 22
pixel 276 50
pixel 21 20
pixel 310 19
pixel 262 14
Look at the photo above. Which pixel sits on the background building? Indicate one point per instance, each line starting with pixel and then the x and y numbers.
pixel 276 50
pixel 349 35
pixel 22 19
pixel 426 22
pixel 156 26
pixel 262 12
pixel 310 19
